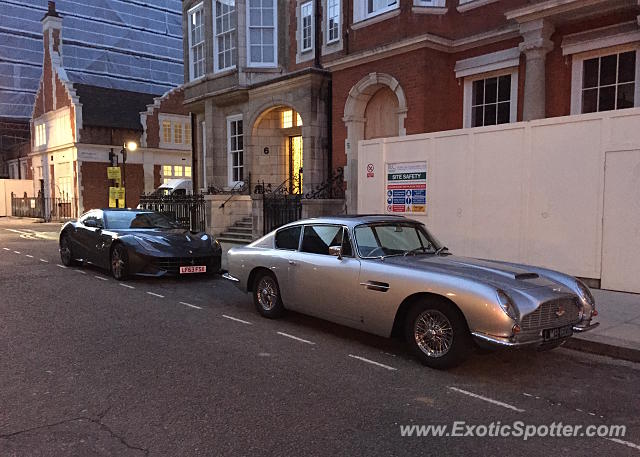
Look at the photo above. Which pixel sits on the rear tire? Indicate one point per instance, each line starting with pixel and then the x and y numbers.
pixel 66 252
pixel 438 334
pixel 266 295
pixel 119 263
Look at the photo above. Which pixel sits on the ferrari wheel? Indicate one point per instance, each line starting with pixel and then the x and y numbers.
pixel 437 334
pixel 266 296
pixel 119 263
pixel 66 252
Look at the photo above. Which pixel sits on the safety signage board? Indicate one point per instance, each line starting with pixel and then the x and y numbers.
pixel 113 173
pixel 116 197
pixel 406 188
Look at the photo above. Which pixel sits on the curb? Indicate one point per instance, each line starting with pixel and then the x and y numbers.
pixel 594 347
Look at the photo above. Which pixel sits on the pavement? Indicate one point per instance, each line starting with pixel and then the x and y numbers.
pixel 187 367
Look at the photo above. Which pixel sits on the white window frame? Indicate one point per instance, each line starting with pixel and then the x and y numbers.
pixel 41 134
pixel 577 68
pixel 304 14
pixel 334 4
pixel 250 63
pixel 361 9
pixel 468 94
pixel 173 119
pixel 230 166
pixel 231 33
pixel 198 8
pixel 430 3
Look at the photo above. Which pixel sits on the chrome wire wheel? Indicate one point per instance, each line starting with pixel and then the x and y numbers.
pixel 267 293
pixel 433 333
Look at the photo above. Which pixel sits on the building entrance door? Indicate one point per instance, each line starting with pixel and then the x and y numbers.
pixel 295 164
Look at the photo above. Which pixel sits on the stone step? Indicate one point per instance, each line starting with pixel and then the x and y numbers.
pixel 234 234
pixel 244 224
pixel 236 240
pixel 236 228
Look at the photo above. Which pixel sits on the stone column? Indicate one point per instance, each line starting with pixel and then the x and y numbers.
pixel 537 43
pixel 355 133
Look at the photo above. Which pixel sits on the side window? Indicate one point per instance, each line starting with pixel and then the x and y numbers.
pixel 99 219
pixel 288 238
pixel 318 238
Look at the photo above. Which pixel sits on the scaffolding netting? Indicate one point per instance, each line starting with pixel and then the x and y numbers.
pixel 133 45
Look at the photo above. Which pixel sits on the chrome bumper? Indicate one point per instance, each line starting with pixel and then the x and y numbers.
pixel 501 341
pixel 230 277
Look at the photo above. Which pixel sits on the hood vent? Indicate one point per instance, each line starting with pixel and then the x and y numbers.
pixel 523 276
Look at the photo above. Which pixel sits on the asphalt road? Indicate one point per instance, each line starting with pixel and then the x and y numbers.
pixel 186 367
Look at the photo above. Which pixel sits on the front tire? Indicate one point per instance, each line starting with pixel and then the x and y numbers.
pixel 119 263
pixel 66 252
pixel 266 296
pixel 438 334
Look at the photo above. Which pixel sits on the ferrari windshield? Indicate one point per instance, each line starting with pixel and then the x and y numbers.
pixel 122 220
pixel 394 238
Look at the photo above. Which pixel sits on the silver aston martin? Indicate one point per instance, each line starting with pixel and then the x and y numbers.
pixel 389 276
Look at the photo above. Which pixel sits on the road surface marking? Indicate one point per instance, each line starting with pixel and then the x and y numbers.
pixel 526 394
pixel 373 363
pixel 17 252
pixel 295 338
pixel 6 249
pixel 100 278
pixel 81 272
pixel 189 305
pixel 626 443
pixel 29 255
pixel 156 295
pixel 490 400
pixel 236 319
pixel 126 285
pixel 61 266
pixel 45 261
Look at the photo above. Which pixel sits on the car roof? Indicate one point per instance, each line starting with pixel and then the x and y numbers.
pixel 352 220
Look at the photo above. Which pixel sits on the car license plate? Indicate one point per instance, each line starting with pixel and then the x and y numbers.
pixel 193 269
pixel 557 333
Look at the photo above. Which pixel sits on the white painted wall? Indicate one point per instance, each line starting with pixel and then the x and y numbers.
pixel 531 192
pixel 18 187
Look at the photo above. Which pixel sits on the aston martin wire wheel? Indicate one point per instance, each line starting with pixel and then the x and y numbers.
pixel 66 253
pixel 119 263
pixel 266 295
pixel 437 334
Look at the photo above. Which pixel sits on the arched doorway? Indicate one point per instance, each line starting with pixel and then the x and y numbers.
pixel 278 149
pixel 376 107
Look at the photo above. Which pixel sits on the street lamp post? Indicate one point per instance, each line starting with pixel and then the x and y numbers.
pixel 129 146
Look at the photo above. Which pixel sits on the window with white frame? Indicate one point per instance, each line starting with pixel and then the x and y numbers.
pixel 175 171
pixel 176 131
pixel 427 3
pixel 608 82
pixel 306 26
pixel 333 20
pixel 225 34
pixel 375 7
pixel 491 99
pixel 41 135
pixel 262 33
pixel 235 148
pixel 196 42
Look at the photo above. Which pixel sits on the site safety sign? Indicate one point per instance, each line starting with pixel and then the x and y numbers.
pixel 406 187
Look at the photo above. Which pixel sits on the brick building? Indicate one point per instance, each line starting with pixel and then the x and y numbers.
pixel 77 126
pixel 366 69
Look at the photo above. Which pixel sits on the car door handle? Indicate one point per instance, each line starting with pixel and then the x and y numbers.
pixel 291 262
pixel 376 285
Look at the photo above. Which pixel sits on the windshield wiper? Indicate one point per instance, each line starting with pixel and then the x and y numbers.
pixel 441 250
pixel 414 251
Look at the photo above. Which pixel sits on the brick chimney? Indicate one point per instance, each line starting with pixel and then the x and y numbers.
pixel 52 29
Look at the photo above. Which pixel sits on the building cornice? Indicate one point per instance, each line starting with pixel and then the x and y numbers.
pixel 429 41
pixel 549 8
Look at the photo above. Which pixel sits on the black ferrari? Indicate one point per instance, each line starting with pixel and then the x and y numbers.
pixel 137 242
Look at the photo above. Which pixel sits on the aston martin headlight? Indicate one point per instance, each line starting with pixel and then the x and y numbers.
pixel 585 294
pixel 506 304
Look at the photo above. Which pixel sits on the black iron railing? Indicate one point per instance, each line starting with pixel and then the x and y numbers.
pixel 49 209
pixel 188 210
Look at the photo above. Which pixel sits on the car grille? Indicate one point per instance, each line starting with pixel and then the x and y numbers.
pixel 546 316
pixel 173 264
